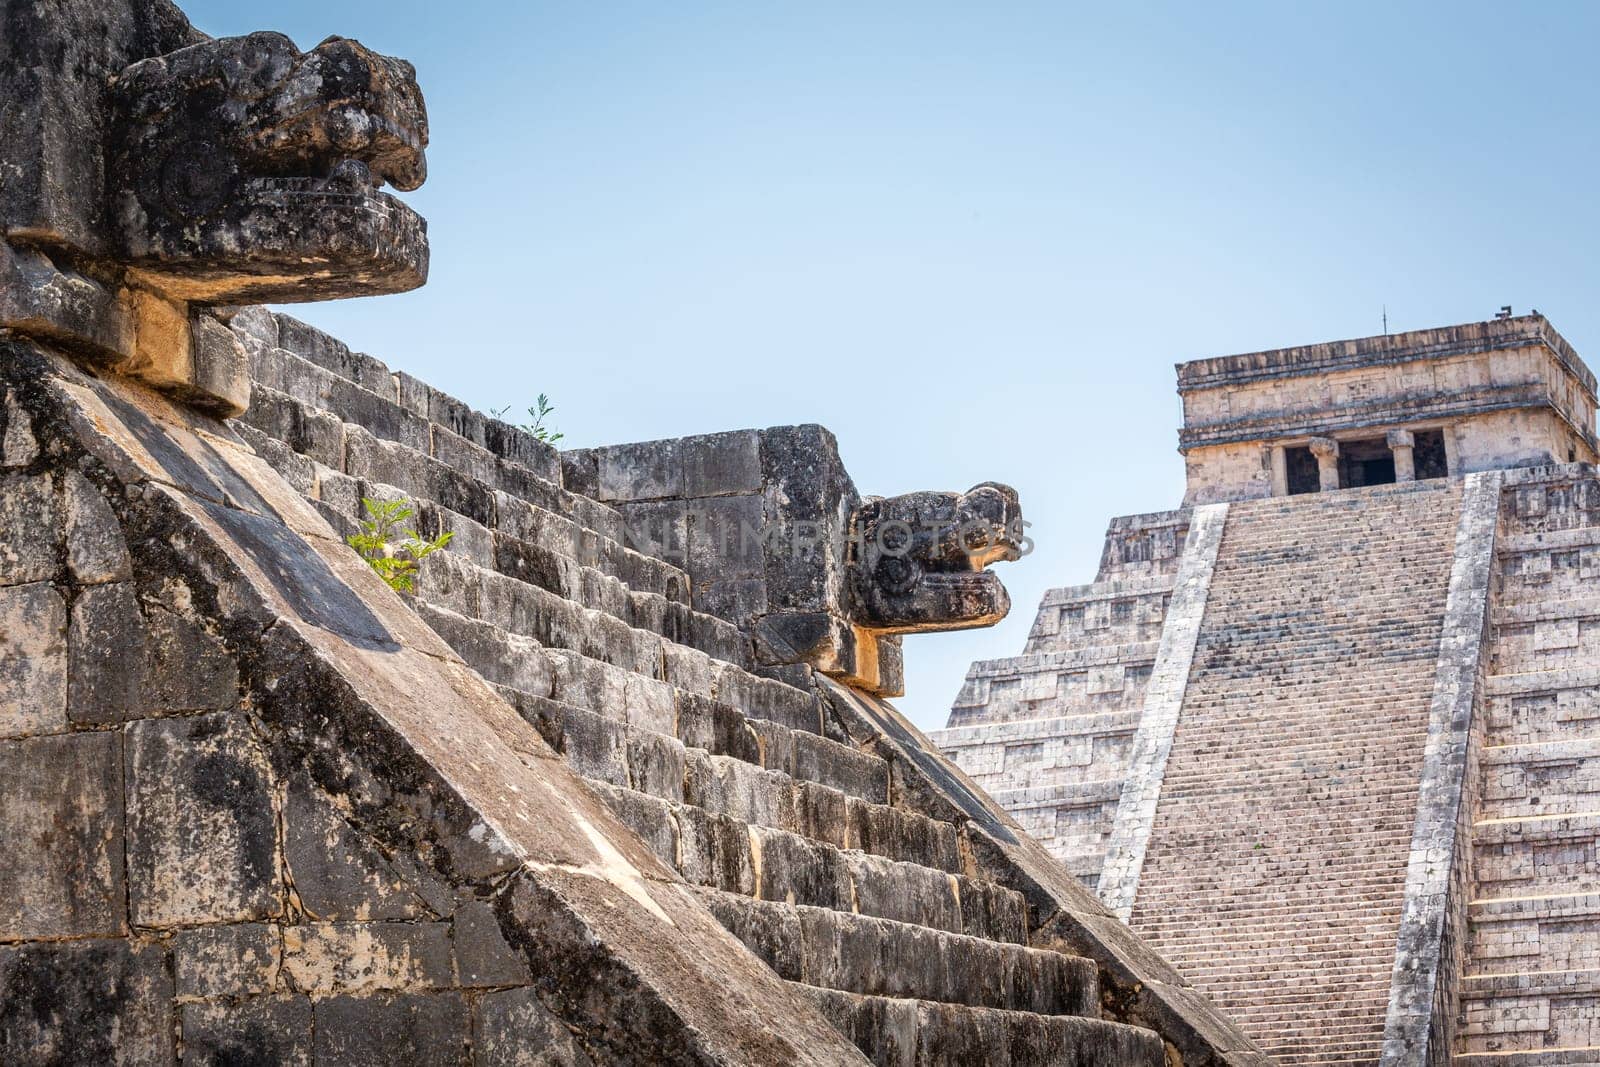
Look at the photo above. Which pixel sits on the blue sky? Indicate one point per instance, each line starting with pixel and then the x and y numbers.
pixel 971 239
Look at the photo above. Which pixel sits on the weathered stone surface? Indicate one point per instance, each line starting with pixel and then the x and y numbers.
pixel 203 199
pixel 109 656
pixel 337 873
pixel 96 551
pixel 33 660
pixel 721 464
pixel 238 959
pixel 360 957
pixel 42 299
pixel 202 823
pixel 483 958
pixel 61 800
pixel 190 667
pixel 101 1002
pixel 220 380
pixel 30 529
pixel 272 1029
pixel 18 446
pixel 386 1029
pixel 513 1029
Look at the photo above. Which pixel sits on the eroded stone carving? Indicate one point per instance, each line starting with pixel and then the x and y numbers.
pixel 151 174
pixel 920 559
pixel 246 169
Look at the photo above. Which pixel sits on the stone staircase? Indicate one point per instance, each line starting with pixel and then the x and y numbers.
pixel 801 843
pixel 1531 988
pixel 1275 870
pixel 1047 733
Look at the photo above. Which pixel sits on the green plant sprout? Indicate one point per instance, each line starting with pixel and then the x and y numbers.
pixel 391 549
pixel 538 413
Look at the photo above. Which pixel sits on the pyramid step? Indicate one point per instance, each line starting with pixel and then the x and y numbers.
pixel 878 957
pixel 1530 1011
pixel 1526 934
pixel 613 752
pixel 727 854
pixel 1541 779
pixel 363 436
pixel 897 1032
pixel 729 714
pixel 608 631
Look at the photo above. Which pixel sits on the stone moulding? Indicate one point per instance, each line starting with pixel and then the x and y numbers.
pixel 1163 702
pixel 1443 343
pixel 1420 1024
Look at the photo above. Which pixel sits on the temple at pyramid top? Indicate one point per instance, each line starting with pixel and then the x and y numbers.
pixel 1393 408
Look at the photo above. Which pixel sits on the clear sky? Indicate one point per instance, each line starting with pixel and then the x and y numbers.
pixel 971 239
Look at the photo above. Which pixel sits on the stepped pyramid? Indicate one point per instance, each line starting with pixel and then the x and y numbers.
pixel 606 781
pixel 1325 735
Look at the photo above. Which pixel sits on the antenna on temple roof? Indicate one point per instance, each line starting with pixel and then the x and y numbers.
pixel 1386 320
pixel 1504 312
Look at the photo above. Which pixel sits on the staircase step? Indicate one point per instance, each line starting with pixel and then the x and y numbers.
pixel 725 853
pixel 354 429
pixel 727 713
pixel 614 752
pixel 878 957
pixel 897 1032
pixel 600 618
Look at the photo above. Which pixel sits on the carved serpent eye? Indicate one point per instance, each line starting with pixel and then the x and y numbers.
pixel 897 574
pixel 197 178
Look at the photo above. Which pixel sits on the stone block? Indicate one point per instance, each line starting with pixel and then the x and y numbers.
pixel 189 667
pixel 739 601
pixel 522 448
pixel 18 446
pixel 202 823
pixel 109 656
pixel 273 1030
pixel 483 958
pixel 30 529
pixel 361 957
pixel 239 959
pixel 658 528
pixel 651 470
pixel 33 660
pixel 220 374
pixel 715 851
pixel 726 538
pixel 512 1028
pixel 86 1002
pixel 382 1030
pixel 580 471
pixel 337 873
pixel 96 551
pixel 61 809
pixel 722 464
